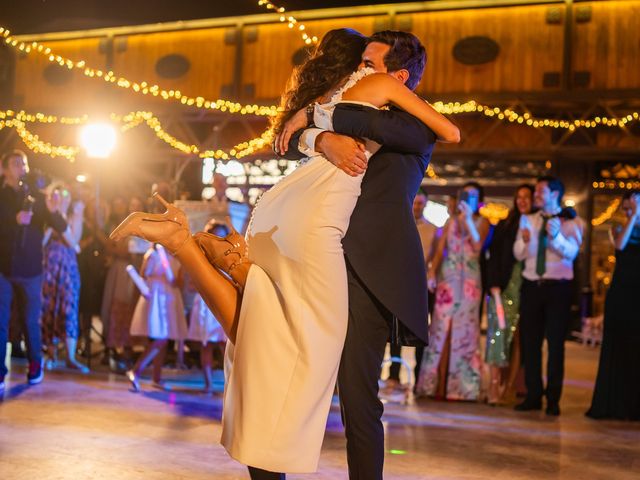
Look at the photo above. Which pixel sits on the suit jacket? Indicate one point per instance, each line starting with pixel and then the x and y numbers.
pixel 501 259
pixel 382 244
pixel 21 246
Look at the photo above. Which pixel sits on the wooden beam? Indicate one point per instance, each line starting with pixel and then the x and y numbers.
pixel 265 18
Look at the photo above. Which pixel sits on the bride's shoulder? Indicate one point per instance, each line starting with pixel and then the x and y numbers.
pixel 367 79
pixel 363 77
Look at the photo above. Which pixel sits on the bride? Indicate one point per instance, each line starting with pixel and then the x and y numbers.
pixel 285 308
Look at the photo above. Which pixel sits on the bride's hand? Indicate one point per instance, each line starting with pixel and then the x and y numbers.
pixel 295 123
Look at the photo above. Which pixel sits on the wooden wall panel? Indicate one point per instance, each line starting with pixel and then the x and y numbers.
pixel 608 46
pixel 32 90
pixel 528 48
pixel 267 61
pixel 211 60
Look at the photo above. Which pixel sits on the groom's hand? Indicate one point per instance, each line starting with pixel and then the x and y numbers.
pixel 346 153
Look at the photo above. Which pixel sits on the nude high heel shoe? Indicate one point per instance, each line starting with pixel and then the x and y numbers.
pixel 228 254
pixel 170 229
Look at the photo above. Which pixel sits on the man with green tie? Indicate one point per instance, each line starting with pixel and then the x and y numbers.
pixel 548 241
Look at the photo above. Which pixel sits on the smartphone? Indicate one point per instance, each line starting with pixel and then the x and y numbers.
pixel 463 196
pixel 469 199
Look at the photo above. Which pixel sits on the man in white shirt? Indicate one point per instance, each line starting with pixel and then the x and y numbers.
pixel 548 241
pixel 428 234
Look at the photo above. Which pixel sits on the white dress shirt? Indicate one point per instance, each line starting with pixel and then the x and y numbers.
pixel 561 250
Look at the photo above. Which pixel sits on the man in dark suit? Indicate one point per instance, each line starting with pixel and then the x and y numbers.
pixel 385 263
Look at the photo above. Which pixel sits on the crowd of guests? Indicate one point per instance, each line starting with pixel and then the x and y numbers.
pixel 529 276
pixel 58 270
pixel 528 281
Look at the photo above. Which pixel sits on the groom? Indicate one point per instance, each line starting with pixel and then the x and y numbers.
pixel 385 264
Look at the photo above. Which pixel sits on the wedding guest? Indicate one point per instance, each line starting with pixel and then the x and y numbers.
pixel 617 390
pixel 548 241
pixel 451 363
pixel 61 281
pixel 24 212
pixel 91 262
pixel 504 276
pixel 119 296
pixel 160 316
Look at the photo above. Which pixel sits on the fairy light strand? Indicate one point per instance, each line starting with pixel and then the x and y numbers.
pixel 291 21
pixel 607 214
pixel 17 121
pixel 36 145
pixel 617 184
pixel 143 88
pixel 146 88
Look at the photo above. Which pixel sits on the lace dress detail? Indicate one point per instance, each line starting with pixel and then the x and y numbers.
pixel 324 112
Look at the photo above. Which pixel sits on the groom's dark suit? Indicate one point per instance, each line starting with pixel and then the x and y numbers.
pixel 386 270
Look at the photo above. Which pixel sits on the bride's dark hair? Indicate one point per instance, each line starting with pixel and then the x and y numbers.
pixel 337 55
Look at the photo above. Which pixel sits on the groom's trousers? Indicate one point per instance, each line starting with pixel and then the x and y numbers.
pixel 360 365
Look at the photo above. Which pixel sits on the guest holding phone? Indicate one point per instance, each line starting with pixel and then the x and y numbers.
pixel 451 363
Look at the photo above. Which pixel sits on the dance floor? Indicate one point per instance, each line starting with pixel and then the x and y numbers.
pixel 92 427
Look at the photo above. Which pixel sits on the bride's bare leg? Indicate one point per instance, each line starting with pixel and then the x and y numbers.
pixel 222 298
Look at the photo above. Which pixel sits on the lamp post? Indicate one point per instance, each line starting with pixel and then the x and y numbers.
pixel 98 140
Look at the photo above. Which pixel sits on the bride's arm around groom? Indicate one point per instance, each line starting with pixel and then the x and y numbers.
pixel 395 129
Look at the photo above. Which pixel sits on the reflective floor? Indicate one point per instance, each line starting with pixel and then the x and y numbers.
pixel 92 427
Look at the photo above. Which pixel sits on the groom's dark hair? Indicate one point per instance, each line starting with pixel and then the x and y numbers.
pixel 406 53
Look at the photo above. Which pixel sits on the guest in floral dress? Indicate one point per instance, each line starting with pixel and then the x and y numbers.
pixel 505 279
pixel 61 281
pixel 451 364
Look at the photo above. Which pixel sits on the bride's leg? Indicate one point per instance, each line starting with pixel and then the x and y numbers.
pixel 222 298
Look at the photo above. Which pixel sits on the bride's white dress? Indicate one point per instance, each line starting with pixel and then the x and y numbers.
pixel 281 372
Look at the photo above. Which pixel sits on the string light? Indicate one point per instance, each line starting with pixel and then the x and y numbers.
pixel 616 185
pixel 143 88
pixel 607 214
pixel 11 119
pixel 240 150
pixel 43 118
pixel 451 108
pixel 290 20
pixel 508 115
pixel 36 145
